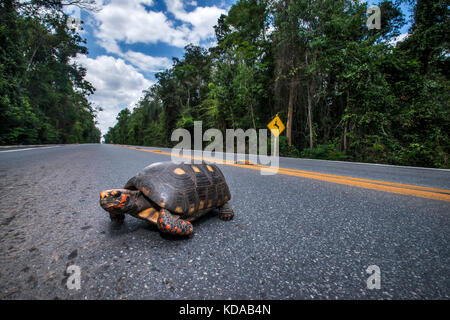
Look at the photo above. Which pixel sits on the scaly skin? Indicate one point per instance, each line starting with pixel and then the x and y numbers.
pixel 226 212
pixel 118 202
pixel 173 224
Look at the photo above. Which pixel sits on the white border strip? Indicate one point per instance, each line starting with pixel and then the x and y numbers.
pixel 29 149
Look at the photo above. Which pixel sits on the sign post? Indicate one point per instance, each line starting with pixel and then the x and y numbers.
pixel 276 126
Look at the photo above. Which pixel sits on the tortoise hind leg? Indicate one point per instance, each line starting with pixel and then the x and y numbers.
pixel 226 212
pixel 173 224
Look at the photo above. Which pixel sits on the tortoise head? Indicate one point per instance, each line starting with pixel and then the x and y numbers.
pixel 116 200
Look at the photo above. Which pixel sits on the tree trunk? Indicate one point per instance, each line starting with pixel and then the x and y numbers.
pixel 253 116
pixel 290 112
pixel 346 124
pixel 345 135
pixel 189 98
pixel 31 61
pixel 308 89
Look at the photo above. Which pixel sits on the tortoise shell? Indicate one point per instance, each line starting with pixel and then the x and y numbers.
pixel 184 189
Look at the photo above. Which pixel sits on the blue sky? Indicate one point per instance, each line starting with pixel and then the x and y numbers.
pixel 130 40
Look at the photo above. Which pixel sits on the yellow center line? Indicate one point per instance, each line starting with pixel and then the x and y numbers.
pixel 364 180
pixel 392 187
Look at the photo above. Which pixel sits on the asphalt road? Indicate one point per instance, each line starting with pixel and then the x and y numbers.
pixel 292 237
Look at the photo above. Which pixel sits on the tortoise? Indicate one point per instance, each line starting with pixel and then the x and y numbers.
pixel 171 196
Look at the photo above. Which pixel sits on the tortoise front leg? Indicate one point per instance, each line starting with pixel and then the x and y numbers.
pixel 226 212
pixel 173 224
pixel 116 217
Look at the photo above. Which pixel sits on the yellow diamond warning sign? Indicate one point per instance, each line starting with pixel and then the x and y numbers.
pixel 276 126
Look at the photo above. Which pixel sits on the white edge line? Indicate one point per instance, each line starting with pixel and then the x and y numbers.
pixel 29 149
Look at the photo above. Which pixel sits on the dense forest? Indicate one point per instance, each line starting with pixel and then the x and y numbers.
pixel 345 91
pixel 43 95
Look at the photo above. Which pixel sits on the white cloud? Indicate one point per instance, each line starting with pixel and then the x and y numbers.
pixel 119 80
pixel 147 63
pixel 131 22
pixel 118 85
pixel 202 19
pixel 399 38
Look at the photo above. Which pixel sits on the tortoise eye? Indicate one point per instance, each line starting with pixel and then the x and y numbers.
pixel 118 194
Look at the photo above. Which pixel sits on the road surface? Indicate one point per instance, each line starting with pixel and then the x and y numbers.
pixel 308 232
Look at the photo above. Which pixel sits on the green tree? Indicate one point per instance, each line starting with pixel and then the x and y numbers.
pixel 346 92
pixel 43 96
